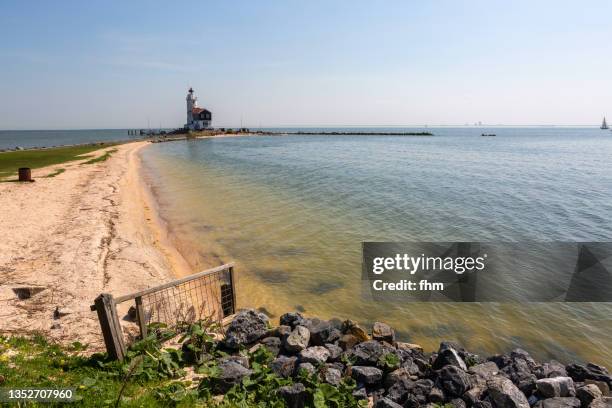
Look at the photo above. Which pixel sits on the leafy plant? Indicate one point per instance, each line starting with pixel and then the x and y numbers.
pixel 389 361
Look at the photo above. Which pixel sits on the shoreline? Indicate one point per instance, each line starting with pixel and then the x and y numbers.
pixel 91 229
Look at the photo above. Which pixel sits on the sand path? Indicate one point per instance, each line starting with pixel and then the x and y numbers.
pixel 89 230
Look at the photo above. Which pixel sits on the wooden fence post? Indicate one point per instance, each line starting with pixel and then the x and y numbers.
pixel 111 328
pixel 140 316
pixel 233 286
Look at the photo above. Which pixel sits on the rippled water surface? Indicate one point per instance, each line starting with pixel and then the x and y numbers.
pixel 292 211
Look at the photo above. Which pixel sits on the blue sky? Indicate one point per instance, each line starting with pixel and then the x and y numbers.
pixel 320 63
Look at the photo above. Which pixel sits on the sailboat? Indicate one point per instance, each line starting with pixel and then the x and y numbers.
pixel 604 125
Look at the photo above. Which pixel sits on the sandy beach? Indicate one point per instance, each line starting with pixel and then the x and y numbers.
pixel 89 230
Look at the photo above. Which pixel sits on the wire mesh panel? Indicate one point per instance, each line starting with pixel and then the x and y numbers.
pixel 206 296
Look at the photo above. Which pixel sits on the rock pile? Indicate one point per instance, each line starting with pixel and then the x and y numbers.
pixel 392 374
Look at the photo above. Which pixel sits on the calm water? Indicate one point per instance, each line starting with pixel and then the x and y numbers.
pixel 292 211
pixel 9 139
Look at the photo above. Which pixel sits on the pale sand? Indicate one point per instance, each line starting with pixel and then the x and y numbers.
pixel 90 230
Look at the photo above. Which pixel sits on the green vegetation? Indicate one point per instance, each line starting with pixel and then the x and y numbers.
pixel 101 158
pixel 154 376
pixel 56 172
pixel 11 161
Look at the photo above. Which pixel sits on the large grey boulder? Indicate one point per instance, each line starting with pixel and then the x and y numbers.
pixel 504 394
pixel 556 387
pixel 366 375
pixel 315 355
pixel 247 327
pixel 297 340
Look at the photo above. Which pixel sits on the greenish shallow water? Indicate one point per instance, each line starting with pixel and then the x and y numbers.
pixel 292 211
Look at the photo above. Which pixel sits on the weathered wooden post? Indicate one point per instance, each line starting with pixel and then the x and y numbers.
pixel 140 317
pixel 111 328
pixel 25 174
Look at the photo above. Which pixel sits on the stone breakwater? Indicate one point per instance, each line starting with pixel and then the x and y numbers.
pixel 389 373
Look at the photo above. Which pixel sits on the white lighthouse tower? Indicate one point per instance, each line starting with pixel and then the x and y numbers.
pixel 197 118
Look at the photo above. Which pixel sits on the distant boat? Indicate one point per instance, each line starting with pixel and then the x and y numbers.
pixel 488 134
pixel 604 125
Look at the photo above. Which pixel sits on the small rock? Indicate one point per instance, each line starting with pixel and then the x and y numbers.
pixel 408 347
pixel 367 353
pixel 231 373
pixel 589 372
pixel 603 386
pixel 386 403
pixel 291 319
pixel 399 375
pixel 556 387
pixel 436 395
pixel 360 393
pixel 242 360
pixel 350 327
pixel 130 316
pixel 455 381
pixel 504 394
pixel 559 402
pixel 297 340
pixel 458 403
pixel 315 355
pixel 320 332
pixel 551 369
pixel 247 327
pixel 484 370
pixel 283 366
pixel 281 332
pixel 383 332
pixel 273 344
pixel 332 376
pixel 348 341
pixel 366 375
pixel 448 355
pixel 587 394
pixel 56 326
pixel 334 351
pixel 294 395
pixel 308 367
pixel 603 402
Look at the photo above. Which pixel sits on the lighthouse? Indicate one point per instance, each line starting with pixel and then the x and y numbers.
pixel 197 118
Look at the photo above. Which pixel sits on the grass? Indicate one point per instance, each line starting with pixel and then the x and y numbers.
pixel 11 161
pixel 33 362
pixel 56 172
pixel 154 376
pixel 101 158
